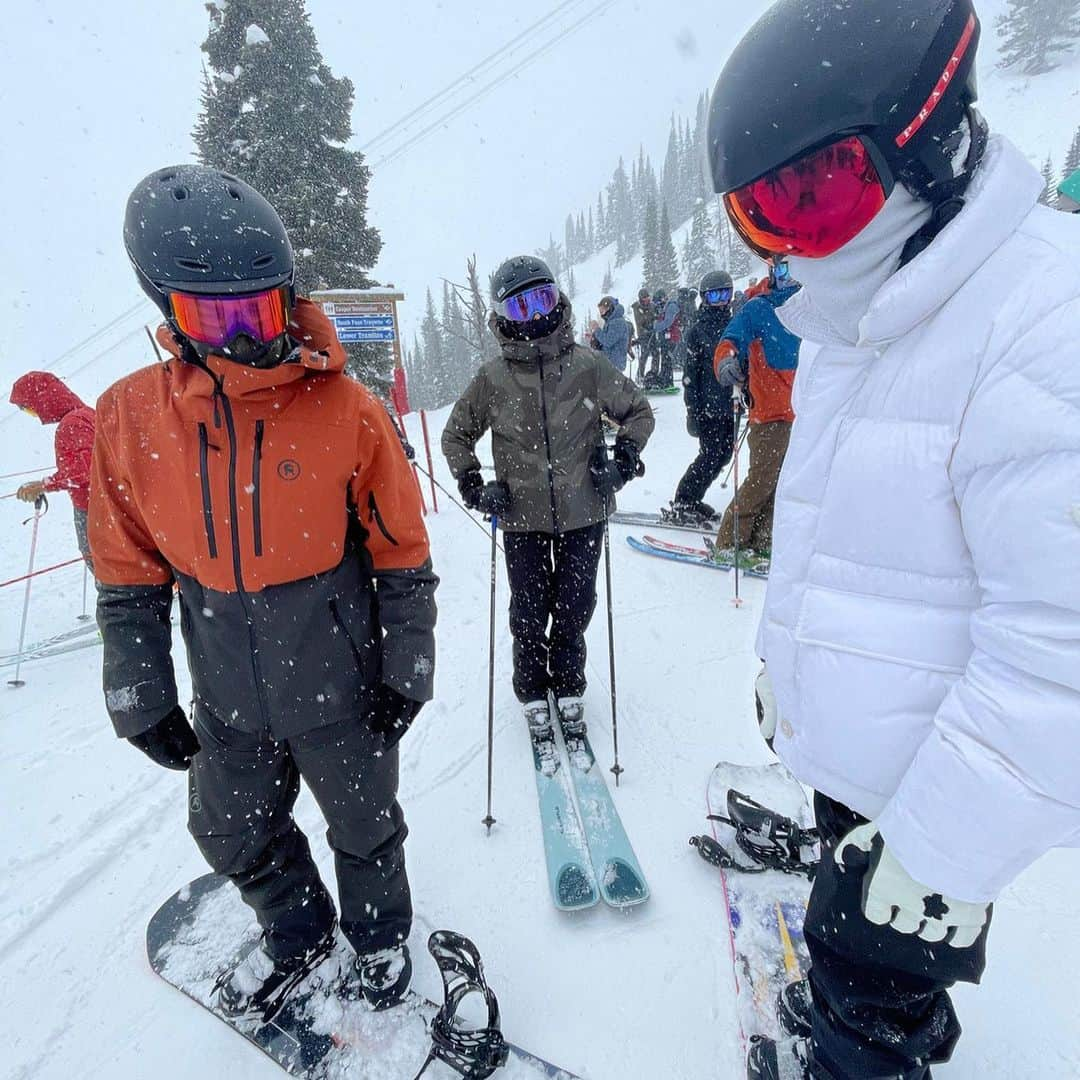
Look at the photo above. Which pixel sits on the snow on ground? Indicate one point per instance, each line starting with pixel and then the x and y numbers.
pixel 95 838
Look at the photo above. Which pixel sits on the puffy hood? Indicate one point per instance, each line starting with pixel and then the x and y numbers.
pixel 558 342
pixel 46 395
pixel 316 349
pixel 617 312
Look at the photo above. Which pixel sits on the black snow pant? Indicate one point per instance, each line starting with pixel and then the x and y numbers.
pixel 716 440
pixel 880 1004
pixel 552 581
pixel 647 355
pixel 667 361
pixel 242 788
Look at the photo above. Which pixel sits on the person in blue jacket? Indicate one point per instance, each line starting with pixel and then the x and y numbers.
pixel 668 330
pixel 613 338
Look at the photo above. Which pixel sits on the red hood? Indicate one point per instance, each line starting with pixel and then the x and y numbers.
pixel 46 395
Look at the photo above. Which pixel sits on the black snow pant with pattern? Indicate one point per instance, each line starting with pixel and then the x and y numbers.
pixel 242 788
pixel 881 1008
pixel 552 584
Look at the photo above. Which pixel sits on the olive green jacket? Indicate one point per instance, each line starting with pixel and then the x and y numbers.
pixel 542 401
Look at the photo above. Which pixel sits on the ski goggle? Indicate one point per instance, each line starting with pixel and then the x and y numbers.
pixel 813 206
pixel 217 320
pixel 527 305
pixel 719 296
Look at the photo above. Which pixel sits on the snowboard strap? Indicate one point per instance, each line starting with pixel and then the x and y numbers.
pixel 473 1053
pixel 771 840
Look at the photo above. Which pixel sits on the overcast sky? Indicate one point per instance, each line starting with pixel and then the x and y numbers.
pixel 96 96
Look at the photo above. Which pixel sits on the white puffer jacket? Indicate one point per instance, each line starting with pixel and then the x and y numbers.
pixel 922 622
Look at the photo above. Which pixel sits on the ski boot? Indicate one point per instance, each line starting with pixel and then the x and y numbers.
pixel 383 976
pixel 793 1009
pixel 257 987
pixel 571 712
pixel 546 753
pixel 697 514
pixel 786 1059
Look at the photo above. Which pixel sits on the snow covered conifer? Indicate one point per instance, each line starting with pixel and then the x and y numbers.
pixel 649 239
pixel 1049 191
pixel 700 258
pixel 1072 158
pixel 667 261
pixel 1037 33
pixel 274 114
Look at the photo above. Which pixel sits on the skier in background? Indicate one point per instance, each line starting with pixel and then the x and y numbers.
pixel 709 416
pixel 42 394
pixel 922 618
pixel 542 398
pixel 667 332
pixel 645 338
pixel 613 337
pixel 759 357
pixel 274 491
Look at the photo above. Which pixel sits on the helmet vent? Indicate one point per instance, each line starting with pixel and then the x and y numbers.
pixel 165 177
pixel 261 261
pixel 234 193
pixel 180 193
pixel 197 265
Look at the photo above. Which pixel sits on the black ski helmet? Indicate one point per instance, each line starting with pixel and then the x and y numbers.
pixel 194 229
pixel 900 73
pixel 716 279
pixel 517 274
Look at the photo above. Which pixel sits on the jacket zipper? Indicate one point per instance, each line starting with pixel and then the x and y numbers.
pixel 207 505
pixel 234 536
pixel 256 487
pixel 374 515
pixel 547 450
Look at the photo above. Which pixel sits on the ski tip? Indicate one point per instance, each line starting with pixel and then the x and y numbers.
pixel 623 885
pixel 575 889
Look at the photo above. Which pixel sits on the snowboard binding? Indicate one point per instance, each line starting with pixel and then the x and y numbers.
pixel 769 840
pixel 473 1053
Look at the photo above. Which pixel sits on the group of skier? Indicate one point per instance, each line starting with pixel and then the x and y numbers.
pixel 922 616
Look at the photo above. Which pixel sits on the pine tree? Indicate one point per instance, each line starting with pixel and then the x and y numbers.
pixel 699 259
pixel 434 349
pixel 609 282
pixel 621 215
pixel 670 181
pixel 1048 197
pixel 592 234
pixel 1072 158
pixel 274 114
pixel 602 236
pixel 570 240
pixel 1037 33
pixel 650 236
pixel 584 240
pixel 571 284
pixel 667 261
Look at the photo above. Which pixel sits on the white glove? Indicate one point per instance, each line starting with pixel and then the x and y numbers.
pixel 765 700
pixel 891 897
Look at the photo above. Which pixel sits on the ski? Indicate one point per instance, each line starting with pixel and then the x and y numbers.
pixel 622 881
pixel 760 831
pixel 657 521
pixel 749 563
pixel 62 649
pixel 321 1032
pixel 51 642
pixel 570 874
pixel 693 557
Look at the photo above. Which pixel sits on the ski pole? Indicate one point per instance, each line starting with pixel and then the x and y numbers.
pixel 737 601
pixel 489 820
pixel 459 505
pixel 430 466
pixel 617 769
pixel 85 574
pixel 41 505
pixel 738 447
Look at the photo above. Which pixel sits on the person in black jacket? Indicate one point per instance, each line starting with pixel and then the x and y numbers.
pixel 709 416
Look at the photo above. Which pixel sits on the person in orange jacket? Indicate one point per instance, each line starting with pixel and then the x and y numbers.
pixel 274 491
pixel 758 357
pixel 42 394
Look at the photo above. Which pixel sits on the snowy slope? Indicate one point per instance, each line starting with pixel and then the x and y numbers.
pixel 95 839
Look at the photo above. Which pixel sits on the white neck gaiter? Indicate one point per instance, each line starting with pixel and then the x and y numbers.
pixel 842 286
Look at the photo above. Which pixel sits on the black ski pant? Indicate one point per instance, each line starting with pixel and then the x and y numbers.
pixel 667 360
pixel 552 599
pixel 880 1004
pixel 647 355
pixel 242 788
pixel 716 439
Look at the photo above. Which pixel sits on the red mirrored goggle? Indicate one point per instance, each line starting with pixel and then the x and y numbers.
pixel 217 320
pixel 814 206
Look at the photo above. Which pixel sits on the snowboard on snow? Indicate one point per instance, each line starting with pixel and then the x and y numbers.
pixel 201 930
pixel 765 907
pixel 661 549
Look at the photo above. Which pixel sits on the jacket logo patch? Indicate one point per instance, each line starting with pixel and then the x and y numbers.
pixel 288 469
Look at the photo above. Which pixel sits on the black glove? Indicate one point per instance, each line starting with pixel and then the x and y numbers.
pixel 391 715
pixel 171 742
pixel 494 498
pixel 470 485
pixel 611 475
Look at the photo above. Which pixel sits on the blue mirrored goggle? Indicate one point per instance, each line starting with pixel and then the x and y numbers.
pixel 719 296
pixel 526 306
pixel 781 273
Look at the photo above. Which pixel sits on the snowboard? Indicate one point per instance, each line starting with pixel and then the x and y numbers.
pixel 202 929
pixel 661 391
pixel 691 556
pixel 765 909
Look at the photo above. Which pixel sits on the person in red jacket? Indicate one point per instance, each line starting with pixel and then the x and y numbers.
pixel 42 394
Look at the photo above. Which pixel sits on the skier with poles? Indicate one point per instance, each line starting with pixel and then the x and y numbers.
pixel 42 394
pixel 274 491
pixel 542 399
pixel 758 357
pixel 709 417
pixel 922 616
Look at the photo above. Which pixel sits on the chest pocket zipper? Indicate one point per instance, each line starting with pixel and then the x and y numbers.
pixel 374 515
pixel 256 487
pixel 204 478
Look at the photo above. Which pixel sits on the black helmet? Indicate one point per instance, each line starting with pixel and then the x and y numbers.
pixel 659 296
pixel 519 273
pixel 193 229
pixel 899 73
pixel 716 279
pixel 643 294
